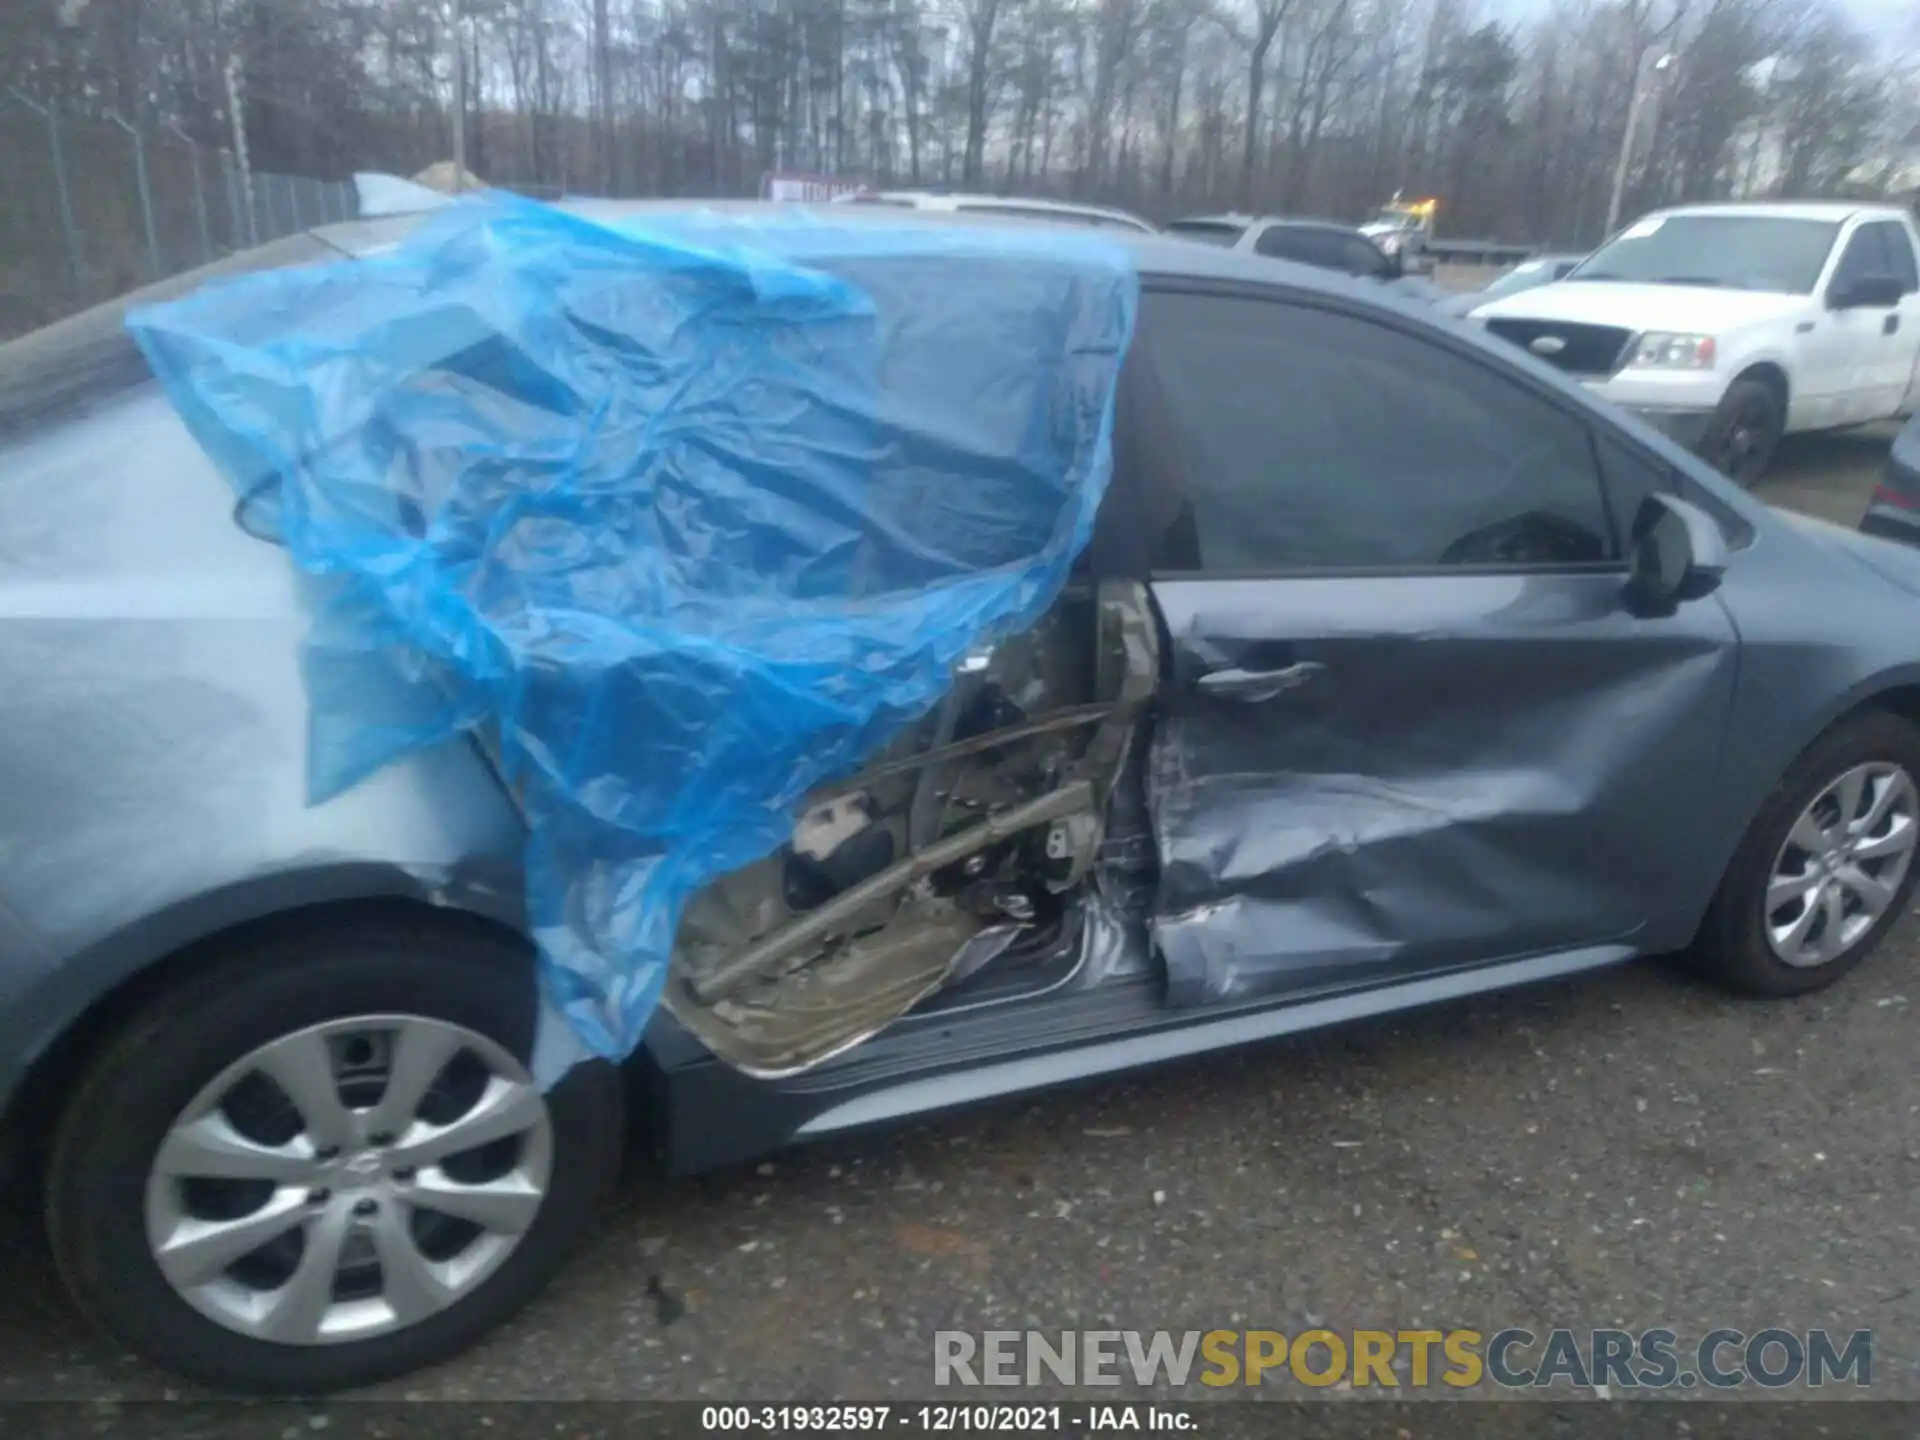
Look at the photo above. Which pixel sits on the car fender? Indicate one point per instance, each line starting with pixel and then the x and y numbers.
pixel 1752 778
pixel 1896 690
pixel 1766 343
pixel 60 997
pixel 1797 676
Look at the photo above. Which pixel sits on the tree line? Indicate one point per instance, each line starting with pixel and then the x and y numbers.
pixel 1163 106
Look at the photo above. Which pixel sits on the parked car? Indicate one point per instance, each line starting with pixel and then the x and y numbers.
pixel 1729 326
pixel 1527 275
pixel 1006 207
pixel 1324 244
pixel 1894 511
pixel 1405 670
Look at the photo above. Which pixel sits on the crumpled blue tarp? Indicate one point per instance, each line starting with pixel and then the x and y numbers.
pixel 695 512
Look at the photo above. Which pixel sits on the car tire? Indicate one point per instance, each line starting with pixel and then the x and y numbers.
pixel 1744 942
pixel 110 1182
pixel 1743 435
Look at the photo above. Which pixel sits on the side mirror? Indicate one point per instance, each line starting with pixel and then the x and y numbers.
pixel 1867 292
pixel 1675 553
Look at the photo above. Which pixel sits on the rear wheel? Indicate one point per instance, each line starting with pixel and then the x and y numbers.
pixel 1744 433
pixel 1826 867
pixel 325 1163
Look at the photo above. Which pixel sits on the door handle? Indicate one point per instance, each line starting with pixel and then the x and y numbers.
pixel 1253 687
pixel 1890 324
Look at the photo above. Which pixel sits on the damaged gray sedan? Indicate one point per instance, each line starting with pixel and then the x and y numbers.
pixel 1396 670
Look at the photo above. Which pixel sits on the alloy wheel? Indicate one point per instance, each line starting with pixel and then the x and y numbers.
pixel 1842 864
pixel 348 1180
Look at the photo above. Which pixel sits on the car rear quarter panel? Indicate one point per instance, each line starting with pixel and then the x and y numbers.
pixel 153 733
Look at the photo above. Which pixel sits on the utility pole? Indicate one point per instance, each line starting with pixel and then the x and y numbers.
pixel 459 104
pixel 238 117
pixel 1626 139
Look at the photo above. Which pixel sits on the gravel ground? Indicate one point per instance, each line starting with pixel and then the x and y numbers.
pixel 1632 1149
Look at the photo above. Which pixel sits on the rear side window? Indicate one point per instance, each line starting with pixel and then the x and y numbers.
pixel 1320 441
pixel 1322 248
pixel 1363 259
pixel 1866 255
pixel 1633 476
pixel 1896 253
pixel 1327 249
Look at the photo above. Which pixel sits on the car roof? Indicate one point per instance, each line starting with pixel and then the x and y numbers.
pixel 962 200
pixel 96 343
pixel 1153 252
pixel 1296 222
pixel 1306 222
pixel 1831 211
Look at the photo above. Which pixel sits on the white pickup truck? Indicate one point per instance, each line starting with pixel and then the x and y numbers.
pixel 1728 326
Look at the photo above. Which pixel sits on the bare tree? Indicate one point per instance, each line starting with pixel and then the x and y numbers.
pixel 1257 36
pixel 1518 127
pixel 981 16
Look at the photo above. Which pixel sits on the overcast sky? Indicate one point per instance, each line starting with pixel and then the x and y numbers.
pixel 1893 18
pixel 1897 20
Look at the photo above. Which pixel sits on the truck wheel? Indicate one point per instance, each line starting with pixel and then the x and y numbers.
pixel 323 1163
pixel 1745 431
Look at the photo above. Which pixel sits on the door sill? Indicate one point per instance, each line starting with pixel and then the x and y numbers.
pixel 1196 1033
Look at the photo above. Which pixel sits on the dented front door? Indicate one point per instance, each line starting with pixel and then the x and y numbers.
pixel 1360 779
pixel 1407 721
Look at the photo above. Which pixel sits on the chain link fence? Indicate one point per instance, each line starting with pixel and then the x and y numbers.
pixel 91 208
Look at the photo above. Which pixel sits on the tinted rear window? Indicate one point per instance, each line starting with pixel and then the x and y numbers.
pixel 1322 441
pixel 1306 246
pixel 1897 251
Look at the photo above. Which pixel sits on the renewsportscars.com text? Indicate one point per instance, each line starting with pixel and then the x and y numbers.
pixel 1512 1358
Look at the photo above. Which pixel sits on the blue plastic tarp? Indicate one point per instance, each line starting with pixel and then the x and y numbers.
pixel 694 513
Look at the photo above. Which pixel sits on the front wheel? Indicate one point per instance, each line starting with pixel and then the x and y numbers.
pixel 1827 866
pixel 325 1163
pixel 1744 434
